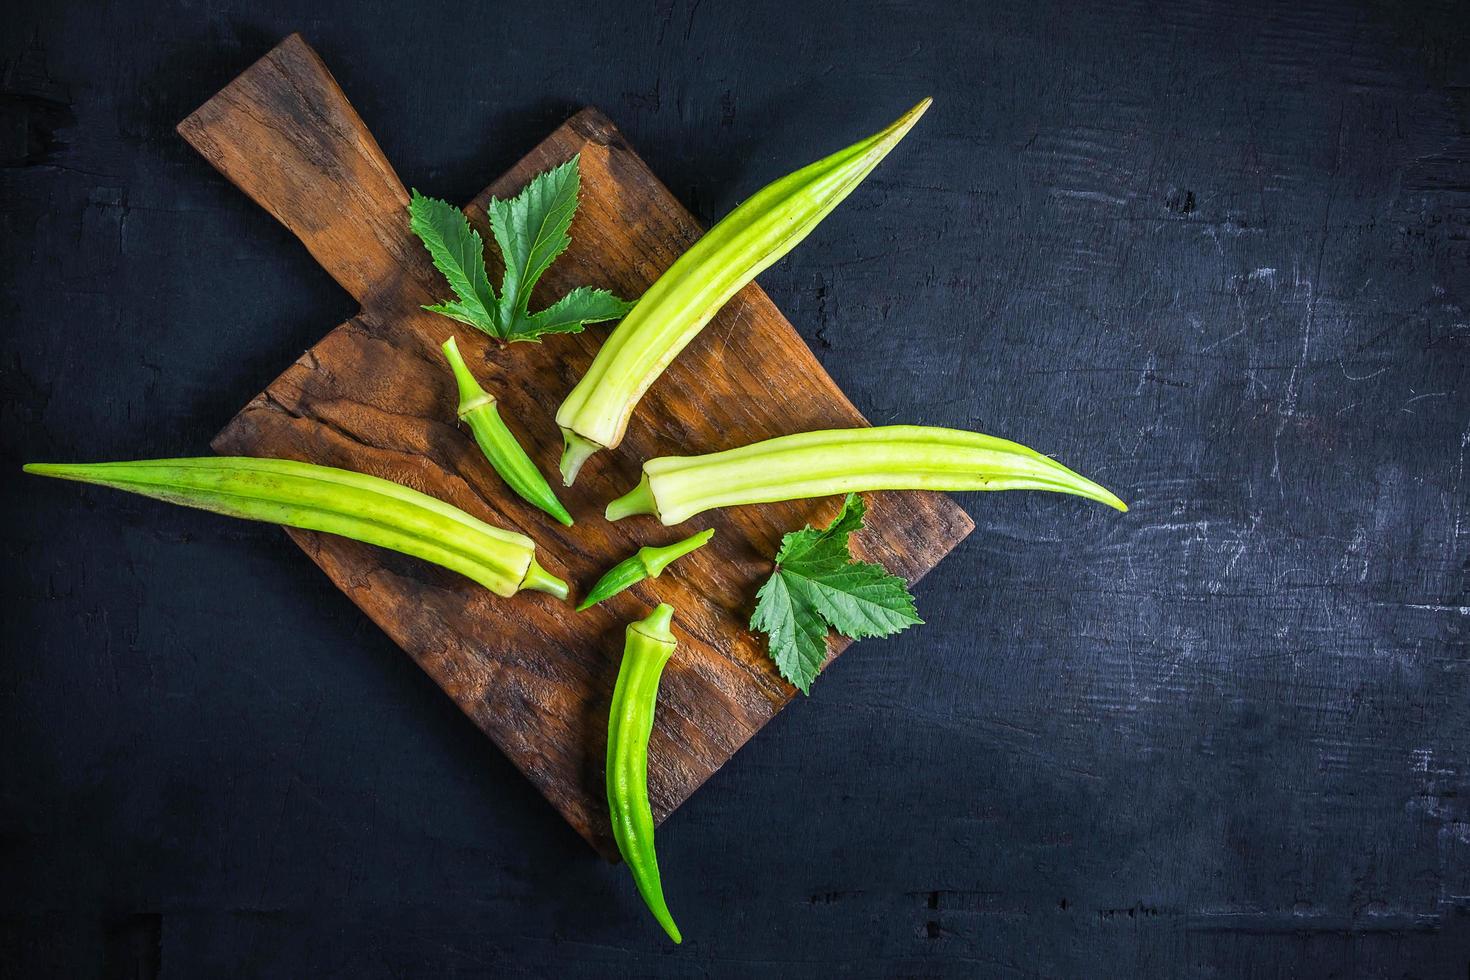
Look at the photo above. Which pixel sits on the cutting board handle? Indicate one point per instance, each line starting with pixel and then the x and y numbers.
pixel 285 134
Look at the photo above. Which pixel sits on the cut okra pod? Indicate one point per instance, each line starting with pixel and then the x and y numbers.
pixel 676 308
pixel 647 562
pixel 324 498
pixel 648 645
pixel 477 410
pixel 816 464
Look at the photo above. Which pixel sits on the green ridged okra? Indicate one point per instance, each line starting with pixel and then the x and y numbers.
pixel 646 562
pixel 647 648
pixel 477 410
pixel 324 498
pixel 676 307
pixel 816 464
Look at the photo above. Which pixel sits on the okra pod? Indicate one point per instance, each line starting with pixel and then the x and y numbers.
pixel 647 562
pixel 646 649
pixel 676 307
pixel 815 464
pixel 477 409
pixel 324 498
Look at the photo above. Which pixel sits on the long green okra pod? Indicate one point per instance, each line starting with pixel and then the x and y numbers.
pixel 646 562
pixel 647 648
pixel 477 410
pixel 324 498
pixel 816 464
pixel 675 308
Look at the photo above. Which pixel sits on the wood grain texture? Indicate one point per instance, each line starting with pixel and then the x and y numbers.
pixel 375 396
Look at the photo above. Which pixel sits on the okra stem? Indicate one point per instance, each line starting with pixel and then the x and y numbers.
pixel 816 464
pixel 478 410
pixel 646 650
pixel 576 450
pixel 676 308
pixel 646 562
pixel 336 501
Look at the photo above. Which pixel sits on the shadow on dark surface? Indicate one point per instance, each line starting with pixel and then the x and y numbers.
pixel 509 135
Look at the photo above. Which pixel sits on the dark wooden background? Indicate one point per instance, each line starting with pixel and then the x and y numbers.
pixel 1215 254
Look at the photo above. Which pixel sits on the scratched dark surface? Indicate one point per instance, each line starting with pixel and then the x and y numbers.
pixel 1215 254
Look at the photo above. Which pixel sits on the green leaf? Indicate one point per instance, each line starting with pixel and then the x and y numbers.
pixel 818 585
pixel 531 229
pixel 459 253
pixel 572 312
pixel 473 316
pixel 812 549
pixel 797 634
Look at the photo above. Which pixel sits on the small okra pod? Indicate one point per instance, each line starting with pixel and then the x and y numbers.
pixel 770 223
pixel 324 498
pixel 816 464
pixel 646 562
pixel 647 647
pixel 477 410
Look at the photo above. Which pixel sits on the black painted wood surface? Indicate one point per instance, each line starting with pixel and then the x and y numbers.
pixel 1215 254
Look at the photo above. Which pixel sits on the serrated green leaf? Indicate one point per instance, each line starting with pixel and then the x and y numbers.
pixel 814 549
pixel 797 635
pixel 531 230
pixel 816 586
pixel 864 599
pixel 572 312
pixel 472 315
pixel 459 253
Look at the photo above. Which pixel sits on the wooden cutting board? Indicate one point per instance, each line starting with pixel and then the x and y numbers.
pixel 375 395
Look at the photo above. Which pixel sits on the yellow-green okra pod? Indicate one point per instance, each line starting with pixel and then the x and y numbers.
pixel 477 410
pixel 676 307
pixel 324 498
pixel 646 562
pixel 647 647
pixel 816 464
